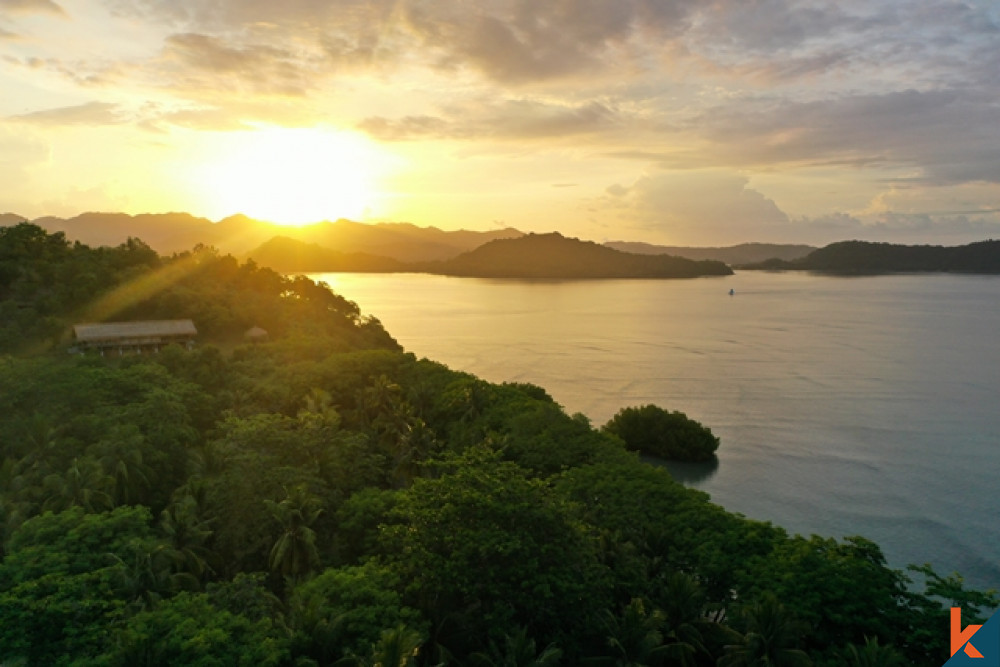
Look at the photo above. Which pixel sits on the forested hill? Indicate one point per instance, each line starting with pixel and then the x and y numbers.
pixel 743 253
pixel 865 257
pixel 324 498
pixel 48 284
pixel 290 256
pixel 168 233
pixel 555 256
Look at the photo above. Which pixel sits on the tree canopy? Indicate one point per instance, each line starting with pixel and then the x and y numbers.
pixel 326 498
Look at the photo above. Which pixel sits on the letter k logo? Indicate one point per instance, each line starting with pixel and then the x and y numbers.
pixel 959 637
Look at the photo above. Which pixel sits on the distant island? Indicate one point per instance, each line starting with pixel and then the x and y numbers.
pixel 865 257
pixel 556 256
pixel 743 253
pixel 533 256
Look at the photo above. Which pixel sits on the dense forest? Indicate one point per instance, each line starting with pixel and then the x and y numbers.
pixel 866 257
pixel 556 256
pixel 326 498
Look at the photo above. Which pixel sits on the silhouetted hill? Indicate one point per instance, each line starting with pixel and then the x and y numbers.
pixel 402 241
pixel 865 257
pixel 11 219
pixel 290 256
pixel 555 256
pixel 744 253
pixel 239 234
pixel 164 232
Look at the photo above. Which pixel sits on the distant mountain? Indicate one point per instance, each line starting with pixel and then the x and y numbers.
pixel 239 234
pixel 555 256
pixel 164 232
pixel 290 256
pixel 865 257
pixel 402 241
pixel 744 253
pixel 11 219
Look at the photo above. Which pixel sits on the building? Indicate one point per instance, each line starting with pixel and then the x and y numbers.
pixel 256 335
pixel 133 337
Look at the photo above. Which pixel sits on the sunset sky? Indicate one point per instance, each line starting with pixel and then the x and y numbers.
pixel 670 121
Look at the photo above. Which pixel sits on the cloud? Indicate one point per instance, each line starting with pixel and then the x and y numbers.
pixel 90 113
pixel 510 119
pixel 950 136
pixel 696 205
pixel 895 227
pixel 41 6
pixel 507 40
pixel 209 62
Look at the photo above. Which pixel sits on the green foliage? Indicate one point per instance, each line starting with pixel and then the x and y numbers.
pixel 663 434
pixel 487 540
pixel 343 612
pixel 189 630
pixel 770 636
pixel 325 498
pixel 60 583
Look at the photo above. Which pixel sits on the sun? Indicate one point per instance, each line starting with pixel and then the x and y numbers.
pixel 294 176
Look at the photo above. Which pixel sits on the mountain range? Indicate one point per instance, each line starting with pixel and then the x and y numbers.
pixel 168 233
pixel 345 245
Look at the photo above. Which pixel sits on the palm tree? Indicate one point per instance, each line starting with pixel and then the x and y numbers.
pixel 873 655
pixel 120 455
pixel 187 534
pixel 397 647
pixel 518 651
pixel 83 484
pixel 768 641
pixel 634 638
pixel 146 577
pixel 682 610
pixel 294 552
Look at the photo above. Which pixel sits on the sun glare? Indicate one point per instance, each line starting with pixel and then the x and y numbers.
pixel 294 176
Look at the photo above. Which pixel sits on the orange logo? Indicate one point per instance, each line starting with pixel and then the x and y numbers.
pixel 960 636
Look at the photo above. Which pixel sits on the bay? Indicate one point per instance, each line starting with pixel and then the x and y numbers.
pixel 846 406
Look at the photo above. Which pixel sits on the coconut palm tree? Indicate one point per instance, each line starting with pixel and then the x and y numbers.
pixel 187 534
pixel 83 484
pixel 634 638
pixel 873 655
pixel 769 640
pixel 294 552
pixel 518 650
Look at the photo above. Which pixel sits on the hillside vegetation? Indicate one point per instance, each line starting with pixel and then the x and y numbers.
pixel 327 499
pixel 555 256
pixel 864 257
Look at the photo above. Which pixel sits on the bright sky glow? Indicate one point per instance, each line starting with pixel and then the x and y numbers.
pixel 291 176
pixel 669 121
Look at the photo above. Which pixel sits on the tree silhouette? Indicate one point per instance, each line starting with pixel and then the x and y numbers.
pixel 294 552
pixel 769 638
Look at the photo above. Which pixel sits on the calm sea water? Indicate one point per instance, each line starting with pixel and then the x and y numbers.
pixel 846 406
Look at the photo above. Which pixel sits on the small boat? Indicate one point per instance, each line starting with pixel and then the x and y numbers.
pixel 731 291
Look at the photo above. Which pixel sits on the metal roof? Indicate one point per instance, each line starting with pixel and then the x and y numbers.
pixel 96 332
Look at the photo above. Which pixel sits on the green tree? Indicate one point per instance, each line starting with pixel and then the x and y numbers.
pixel 294 553
pixel 770 635
pixel 667 435
pixel 517 650
pixel 497 547
pixel 189 630
pixel 872 654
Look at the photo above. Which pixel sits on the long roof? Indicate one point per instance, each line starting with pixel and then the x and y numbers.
pixel 94 332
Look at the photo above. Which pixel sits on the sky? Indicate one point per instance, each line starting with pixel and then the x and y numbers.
pixel 687 122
